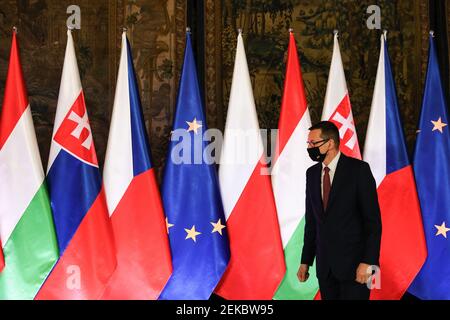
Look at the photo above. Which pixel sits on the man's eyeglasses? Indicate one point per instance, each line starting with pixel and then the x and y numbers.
pixel 314 144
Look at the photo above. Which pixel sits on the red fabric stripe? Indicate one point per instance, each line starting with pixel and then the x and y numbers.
pixel 257 262
pixel 2 261
pixel 92 252
pixel 294 103
pixel 143 254
pixel 15 101
pixel 403 246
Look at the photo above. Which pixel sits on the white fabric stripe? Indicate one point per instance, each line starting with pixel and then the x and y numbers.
pixel 289 179
pixel 337 86
pixel 69 91
pixel 21 174
pixel 242 147
pixel 118 170
pixel 375 146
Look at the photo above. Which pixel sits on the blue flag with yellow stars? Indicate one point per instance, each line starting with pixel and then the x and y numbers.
pixel 191 197
pixel 432 172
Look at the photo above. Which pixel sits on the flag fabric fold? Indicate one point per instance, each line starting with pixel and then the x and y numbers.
pixel 432 173
pixel 195 220
pixel 143 254
pixel 26 224
pixel 289 178
pixel 2 259
pixel 403 247
pixel 257 261
pixel 337 107
pixel 85 239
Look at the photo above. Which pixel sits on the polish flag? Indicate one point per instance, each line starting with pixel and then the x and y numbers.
pixel 143 254
pixel 257 262
pixel 83 229
pixel 403 248
pixel 337 107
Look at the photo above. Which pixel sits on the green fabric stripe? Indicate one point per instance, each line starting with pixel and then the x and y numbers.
pixel 30 252
pixel 290 288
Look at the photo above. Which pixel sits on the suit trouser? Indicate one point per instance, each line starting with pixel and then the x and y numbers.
pixel 334 289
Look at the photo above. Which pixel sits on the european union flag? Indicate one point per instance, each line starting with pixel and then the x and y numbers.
pixel 191 196
pixel 432 172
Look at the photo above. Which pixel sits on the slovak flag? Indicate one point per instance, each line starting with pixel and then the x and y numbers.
pixel 337 107
pixel 143 254
pixel 83 229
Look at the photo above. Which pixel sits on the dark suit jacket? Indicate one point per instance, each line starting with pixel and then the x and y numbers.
pixel 348 232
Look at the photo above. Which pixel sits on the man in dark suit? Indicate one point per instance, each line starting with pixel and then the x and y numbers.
pixel 343 222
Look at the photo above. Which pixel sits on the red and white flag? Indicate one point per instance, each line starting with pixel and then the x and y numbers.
pixel 337 107
pixel 257 262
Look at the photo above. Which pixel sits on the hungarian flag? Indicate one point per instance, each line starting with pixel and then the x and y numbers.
pixel 26 224
pixel 143 254
pixel 337 107
pixel 403 247
pixel 85 238
pixel 289 178
pixel 257 262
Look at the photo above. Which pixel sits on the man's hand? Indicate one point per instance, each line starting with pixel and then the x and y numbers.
pixel 363 273
pixel 303 273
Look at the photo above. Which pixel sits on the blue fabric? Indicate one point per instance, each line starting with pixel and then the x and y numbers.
pixel 141 148
pixel 396 152
pixel 191 197
pixel 432 172
pixel 73 187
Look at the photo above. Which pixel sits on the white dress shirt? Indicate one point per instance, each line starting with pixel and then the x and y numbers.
pixel 332 165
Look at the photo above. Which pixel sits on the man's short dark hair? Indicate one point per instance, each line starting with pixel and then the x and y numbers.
pixel 328 131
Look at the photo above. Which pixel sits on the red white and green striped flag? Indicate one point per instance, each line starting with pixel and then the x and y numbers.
pixel 289 179
pixel 26 226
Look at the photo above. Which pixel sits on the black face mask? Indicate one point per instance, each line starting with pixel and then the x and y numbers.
pixel 315 155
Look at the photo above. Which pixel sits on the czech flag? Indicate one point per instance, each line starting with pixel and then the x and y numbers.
pixel 143 254
pixel 403 249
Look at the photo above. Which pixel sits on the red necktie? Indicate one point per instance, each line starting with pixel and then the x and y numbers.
pixel 326 186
